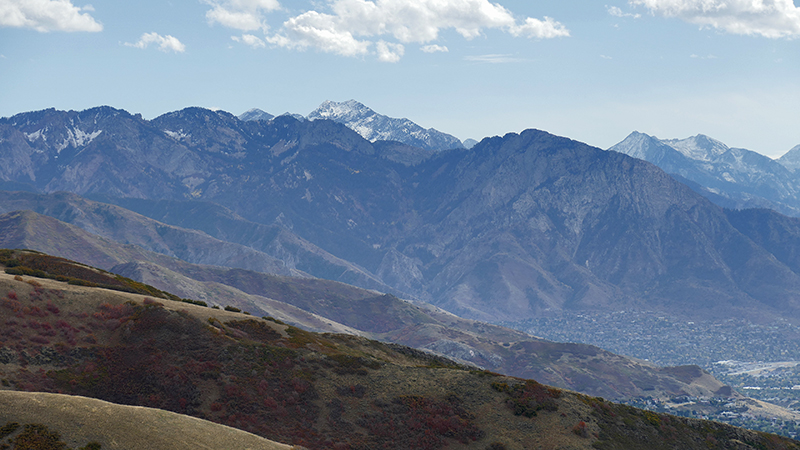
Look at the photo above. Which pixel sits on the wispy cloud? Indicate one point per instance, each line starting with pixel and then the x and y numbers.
pixel 702 57
pixel 493 59
pixel 164 43
pixel 244 15
pixel 433 48
pixel 249 39
pixel 381 28
pixel 605 57
pixel 47 15
pixel 767 18
pixel 617 12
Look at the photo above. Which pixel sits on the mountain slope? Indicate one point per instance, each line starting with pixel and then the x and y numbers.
pixel 743 178
pixel 376 127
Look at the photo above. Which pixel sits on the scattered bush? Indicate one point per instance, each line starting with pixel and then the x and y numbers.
pixel 232 309
pixel 38 437
pixel 581 430
pixel 8 428
pixel 527 399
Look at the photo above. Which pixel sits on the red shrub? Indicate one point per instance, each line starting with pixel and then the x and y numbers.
pixel 39 340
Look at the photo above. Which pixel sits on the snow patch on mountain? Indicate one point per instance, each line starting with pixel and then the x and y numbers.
pixel 700 147
pixel 33 137
pixel 77 138
pixel 177 135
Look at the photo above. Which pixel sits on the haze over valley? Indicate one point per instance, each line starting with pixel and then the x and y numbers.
pixel 397 224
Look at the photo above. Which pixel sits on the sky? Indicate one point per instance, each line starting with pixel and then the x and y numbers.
pixel 590 70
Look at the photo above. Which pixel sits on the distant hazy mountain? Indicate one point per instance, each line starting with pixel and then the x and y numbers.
pixel 791 160
pixel 255 114
pixel 231 240
pixel 377 127
pixel 469 143
pixel 731 177
pixel 517 226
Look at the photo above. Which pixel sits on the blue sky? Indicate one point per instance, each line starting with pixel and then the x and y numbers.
pixel 585 69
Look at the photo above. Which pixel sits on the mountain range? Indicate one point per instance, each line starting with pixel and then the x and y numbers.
pixel 517 226
pixel 734 178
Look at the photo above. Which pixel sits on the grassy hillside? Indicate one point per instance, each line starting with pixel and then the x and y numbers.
pixel 320 391
pixel 45 421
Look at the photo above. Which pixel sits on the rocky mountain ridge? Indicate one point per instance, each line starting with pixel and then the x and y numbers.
pixel 372 126
pixel 517 226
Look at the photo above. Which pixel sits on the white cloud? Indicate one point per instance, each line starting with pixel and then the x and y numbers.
pixel 165 43
pixel 493 59
pixel 362 27
pixel 767 18
pixel 312 29
pixel 249 39
pixel 702 57
pixel 389 52
pixel 433 48
pixel 244 15
pixel 539 29
pixel 617 12
pixel 47 15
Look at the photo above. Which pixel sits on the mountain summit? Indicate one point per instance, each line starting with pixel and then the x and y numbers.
pixel 255 114
pixel 377 127
pixel 791 160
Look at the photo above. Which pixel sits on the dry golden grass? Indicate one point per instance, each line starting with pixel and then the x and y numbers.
pixel 80 420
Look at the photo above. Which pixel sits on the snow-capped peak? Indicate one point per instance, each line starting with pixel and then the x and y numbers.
pixel 349 110
pixel 700 147
pixel 374 127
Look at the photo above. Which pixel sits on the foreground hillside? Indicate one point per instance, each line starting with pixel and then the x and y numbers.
pixel 288 385
pixel 43 421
